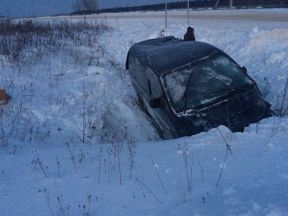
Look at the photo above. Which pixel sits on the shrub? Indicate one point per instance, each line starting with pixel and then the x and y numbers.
pixel 30 35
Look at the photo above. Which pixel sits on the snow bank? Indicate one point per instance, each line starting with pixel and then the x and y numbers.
pixel 73 94
pixel 176 177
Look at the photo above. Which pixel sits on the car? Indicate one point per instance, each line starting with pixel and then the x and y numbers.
pixel 191 87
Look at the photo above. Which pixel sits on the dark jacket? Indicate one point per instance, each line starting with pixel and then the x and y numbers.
pixel 189 35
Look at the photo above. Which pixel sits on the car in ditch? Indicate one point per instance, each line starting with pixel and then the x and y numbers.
pixel 190 87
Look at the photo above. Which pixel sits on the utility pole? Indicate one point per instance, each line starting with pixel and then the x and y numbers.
pixel 230 4
pixel 188 12
pixel 166 14
pixel 216 4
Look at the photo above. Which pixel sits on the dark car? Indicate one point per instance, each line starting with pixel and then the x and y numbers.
pixel 190 87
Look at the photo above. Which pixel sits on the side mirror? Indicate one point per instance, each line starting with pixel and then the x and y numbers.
pixel 156 102
pixel 244 70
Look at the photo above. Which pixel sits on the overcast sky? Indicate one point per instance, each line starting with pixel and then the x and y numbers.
pixel 19 8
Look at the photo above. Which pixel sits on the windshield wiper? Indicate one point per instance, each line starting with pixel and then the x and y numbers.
pixel 230 91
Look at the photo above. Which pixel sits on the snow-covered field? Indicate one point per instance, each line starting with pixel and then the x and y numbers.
pixel 74 141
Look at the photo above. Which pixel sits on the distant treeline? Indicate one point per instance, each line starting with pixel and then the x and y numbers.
pixel 194 5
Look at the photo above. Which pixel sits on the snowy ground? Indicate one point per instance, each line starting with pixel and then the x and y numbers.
pixel 122 168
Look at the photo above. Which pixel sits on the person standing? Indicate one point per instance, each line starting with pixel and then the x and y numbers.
pixel 189 35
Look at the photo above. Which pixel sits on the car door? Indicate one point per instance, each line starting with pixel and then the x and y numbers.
pixel 161 115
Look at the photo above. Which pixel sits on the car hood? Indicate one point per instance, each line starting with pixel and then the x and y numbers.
pixel 235 112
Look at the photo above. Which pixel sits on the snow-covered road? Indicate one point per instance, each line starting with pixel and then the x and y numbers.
pixel 266 15
pixel 280 15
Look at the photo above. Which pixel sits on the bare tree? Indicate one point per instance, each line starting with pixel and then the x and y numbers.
pixel 90 5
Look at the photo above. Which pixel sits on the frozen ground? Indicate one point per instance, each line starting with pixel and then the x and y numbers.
pixel 47 170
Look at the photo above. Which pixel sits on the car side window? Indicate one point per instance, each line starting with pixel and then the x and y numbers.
pixel 140 75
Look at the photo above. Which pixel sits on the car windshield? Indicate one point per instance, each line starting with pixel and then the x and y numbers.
pixel 203 82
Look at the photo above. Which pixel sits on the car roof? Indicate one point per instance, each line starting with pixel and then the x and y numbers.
pixel 167 53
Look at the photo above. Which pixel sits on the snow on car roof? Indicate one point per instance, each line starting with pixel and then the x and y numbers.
pixel 164 54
